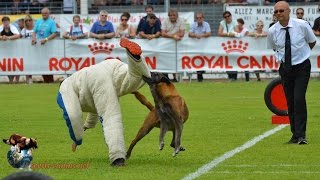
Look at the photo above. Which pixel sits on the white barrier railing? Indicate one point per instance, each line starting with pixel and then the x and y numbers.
pixel 213 54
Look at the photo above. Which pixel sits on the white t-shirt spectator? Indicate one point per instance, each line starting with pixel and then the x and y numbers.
pixel 25 33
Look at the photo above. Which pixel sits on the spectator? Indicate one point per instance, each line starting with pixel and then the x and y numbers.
pixel 35 7
pixel 125 29
pixel 228 28
pixel 200 29
pixel 26 32
pixel 102 29
pixel 300 14
pixel 77 30
pixel 114 2
pixel 274 20
pixel 44 30
pixel 154 2
pixel 9 32
pixel 243 31
pixel 16 7
pixel 20 24
pixel 137 2
pixel 148 9
pixel 44 3
pixel 256 34
pixel 259 31
pixel 316 27
pixel 173 27
pixel 151 29
pixel 293 41
pixel 98 3
pixel 214 1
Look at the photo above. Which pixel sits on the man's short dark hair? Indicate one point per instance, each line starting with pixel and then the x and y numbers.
pixel 152 16
pixel 5 18
pixel 300 9
pixel 226 12
pixel 148 7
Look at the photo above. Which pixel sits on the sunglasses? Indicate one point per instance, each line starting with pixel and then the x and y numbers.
pixel 124 19
pixel 280 11
pixel 300 13
pixel 198 17
pixel 226 16
pixel 103 15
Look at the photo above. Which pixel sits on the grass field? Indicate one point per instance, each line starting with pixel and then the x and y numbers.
pixel 223 116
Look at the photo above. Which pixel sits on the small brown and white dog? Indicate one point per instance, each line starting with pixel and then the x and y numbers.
pixel 170 112
pixel 21 142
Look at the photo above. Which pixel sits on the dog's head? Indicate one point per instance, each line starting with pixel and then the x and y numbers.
pixel 31 143
pixel 156 78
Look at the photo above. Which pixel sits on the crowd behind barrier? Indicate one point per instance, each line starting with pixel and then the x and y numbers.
pixel 215 54
pixel 253 14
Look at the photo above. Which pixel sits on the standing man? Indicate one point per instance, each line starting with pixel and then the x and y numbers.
pixel 149 10
pixel 151 29
pixel 102 29
pixel 292 39
pixel 173 27
pixel 200 29
pixel 44 31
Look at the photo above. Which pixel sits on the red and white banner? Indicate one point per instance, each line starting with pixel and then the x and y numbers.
pixel 213 54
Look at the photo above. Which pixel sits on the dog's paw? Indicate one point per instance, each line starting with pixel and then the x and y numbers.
pixel 74 147
pixel 182 148
pixel 175 153
pixel 161 146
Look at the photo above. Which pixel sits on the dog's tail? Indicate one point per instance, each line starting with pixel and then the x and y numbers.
pixel 143 100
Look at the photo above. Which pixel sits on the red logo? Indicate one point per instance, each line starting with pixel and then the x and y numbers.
pixel 101 47
pixel 235 46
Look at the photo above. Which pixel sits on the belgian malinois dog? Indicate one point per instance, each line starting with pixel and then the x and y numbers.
pixel 169 113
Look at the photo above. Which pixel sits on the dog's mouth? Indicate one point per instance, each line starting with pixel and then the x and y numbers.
pixel 156 78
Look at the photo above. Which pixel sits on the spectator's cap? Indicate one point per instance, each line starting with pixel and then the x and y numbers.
pixel 152 16
pixel 226 13
pixel 5 18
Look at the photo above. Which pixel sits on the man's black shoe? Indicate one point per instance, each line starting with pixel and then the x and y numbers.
pixel 302 141
pixel 292 141
pixel 118 162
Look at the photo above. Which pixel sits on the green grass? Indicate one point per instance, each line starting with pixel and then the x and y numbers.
pixel 223 116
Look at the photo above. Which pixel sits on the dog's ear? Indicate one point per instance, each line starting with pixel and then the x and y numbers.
pixel 147 80
pixel 165 79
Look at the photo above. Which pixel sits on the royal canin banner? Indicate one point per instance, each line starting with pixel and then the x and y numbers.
pixel 214 54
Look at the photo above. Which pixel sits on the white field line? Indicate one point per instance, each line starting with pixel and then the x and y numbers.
pixel 268 172
pixel 207 167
